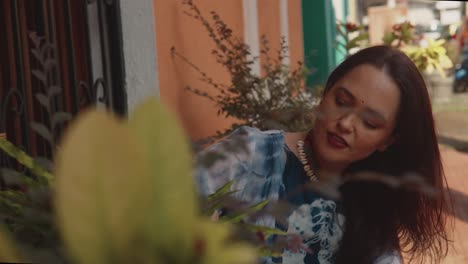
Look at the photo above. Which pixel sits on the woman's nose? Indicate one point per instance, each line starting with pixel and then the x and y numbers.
pixel 346 123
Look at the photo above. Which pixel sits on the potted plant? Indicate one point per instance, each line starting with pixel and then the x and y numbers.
pixel 431 59
pixel 275 100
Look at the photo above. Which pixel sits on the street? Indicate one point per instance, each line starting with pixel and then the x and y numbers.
pixel 452 128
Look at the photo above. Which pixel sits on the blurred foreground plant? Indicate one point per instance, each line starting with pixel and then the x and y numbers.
pixel 131 197
pixel 124 193
pixel 26 208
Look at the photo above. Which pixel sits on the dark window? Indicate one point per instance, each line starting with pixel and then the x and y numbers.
pixel 57 58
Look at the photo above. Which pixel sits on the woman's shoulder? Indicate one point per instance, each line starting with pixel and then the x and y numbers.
pixel 391 257
pixel 247 134
pixel 257 133
pixel 251 157
pixel 250 140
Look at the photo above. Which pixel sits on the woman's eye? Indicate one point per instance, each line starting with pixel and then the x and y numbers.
pixel 341 102
pixel 370 124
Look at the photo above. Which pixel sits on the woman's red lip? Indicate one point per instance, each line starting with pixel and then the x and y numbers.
pixel 336 141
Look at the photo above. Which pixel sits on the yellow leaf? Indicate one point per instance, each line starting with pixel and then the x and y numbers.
pixel 446 62
pixel 439 42
pixel 217 247
pixel 174 201
pixel 8 253
pixel 430 68
pixel 103 190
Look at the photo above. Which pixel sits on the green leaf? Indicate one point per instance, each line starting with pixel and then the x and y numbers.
pixel 354 42
pixel 40 76
pixel 43 131
pixel 43 100
pixel 60 117
pixel 12 203
pixel 267 231
pixel 44 163
pixel 237 217
pixel 53 91
pixel 340 43
pixel 218 203
pixel 388 38
pixel 37 55
pixel 49 63
pixel 25 160
pixel 340 30
pixel 259 206
pixel 221 191
pixel 12 177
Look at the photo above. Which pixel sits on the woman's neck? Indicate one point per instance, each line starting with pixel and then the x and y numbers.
pixel 291 139
pixel 323 170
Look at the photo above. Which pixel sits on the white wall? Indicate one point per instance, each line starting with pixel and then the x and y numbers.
pixel 339 10
pixel 251 36
pixel 421 15
pixel 139 42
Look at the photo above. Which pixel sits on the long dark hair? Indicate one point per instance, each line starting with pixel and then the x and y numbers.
pixel 380 218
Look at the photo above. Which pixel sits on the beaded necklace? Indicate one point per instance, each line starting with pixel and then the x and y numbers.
pixel 303 158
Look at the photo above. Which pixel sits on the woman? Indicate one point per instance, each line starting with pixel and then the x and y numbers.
pixel 375 115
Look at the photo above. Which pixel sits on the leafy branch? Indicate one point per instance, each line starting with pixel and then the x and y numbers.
pixel 276 100
pixel 43 52
pixel 350 35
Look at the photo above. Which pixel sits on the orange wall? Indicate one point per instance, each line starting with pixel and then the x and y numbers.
pixel 296 41
pixel 174 28
pixel 269 25
pixel 381 20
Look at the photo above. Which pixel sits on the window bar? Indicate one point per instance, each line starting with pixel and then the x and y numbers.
pixel 103 96
pixel 117 67
pixel 22 128
pixel 82 86
pixel 85 91
pixel 71 57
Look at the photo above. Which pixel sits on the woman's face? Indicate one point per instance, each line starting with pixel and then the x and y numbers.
pixel 356 117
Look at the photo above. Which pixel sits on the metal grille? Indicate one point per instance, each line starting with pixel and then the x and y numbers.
pixel 57 58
